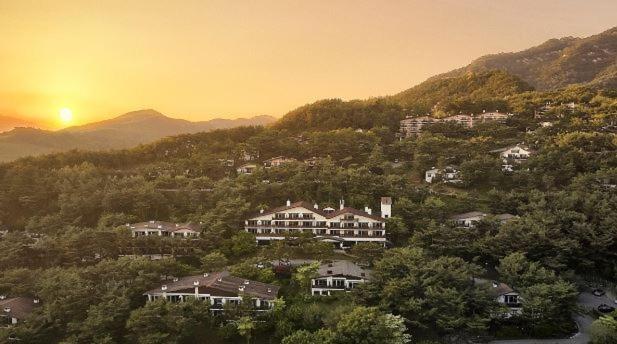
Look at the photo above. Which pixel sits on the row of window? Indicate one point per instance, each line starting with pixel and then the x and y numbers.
pixel 316 224
pixel 316 232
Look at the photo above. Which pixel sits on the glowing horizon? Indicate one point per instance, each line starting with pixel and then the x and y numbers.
pixel 206 59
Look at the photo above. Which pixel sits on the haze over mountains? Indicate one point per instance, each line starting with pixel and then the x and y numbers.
pixel 483 84
pixel 125 131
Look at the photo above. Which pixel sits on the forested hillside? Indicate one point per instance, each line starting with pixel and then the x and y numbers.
pixel 557 63
pixel 67 239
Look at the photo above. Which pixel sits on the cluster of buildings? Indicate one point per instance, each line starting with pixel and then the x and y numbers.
pixel 251 167
pixel 412 126
pixel 344 227
pixel 511 157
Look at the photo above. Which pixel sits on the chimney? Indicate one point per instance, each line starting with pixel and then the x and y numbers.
pixel 495 284
pixel 7 309
pixel 341 204
pixel 269 290
pixel 163 287
pixel 368 210
pixel 195 283
pixel 261 211
pixel 386 207
pixel 316 206
pixel 206 274
pixel 36 301
pixel 288 203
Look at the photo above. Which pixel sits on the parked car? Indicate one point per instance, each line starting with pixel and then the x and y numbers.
pixel 604 308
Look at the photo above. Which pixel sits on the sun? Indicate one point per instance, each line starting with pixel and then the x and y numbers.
pixel 66 115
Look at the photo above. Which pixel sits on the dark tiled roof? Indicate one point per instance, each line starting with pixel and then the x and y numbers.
pixel 165 226
pixel 20 307
pixel 467 215
pixel 496 288
pixel 220 284
pixel 310 207
pixel 343 268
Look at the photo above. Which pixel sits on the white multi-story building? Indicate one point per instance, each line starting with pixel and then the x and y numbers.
pixel 510 156
pixel 338 276
pixel 218 289
pixel 411 126
pixel 161 228
pixel 344 227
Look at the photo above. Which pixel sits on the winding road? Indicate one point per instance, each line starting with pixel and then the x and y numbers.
pixel 585 301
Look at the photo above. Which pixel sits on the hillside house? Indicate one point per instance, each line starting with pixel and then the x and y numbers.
pixel 338 276
pixel 247 168
pixel 343 227
pixel 161 228
pixel 447 175
pixel 504 295
pixel 513 155
pixel 219 289
pixel 277 161
pixel 470 219
pixel 16 309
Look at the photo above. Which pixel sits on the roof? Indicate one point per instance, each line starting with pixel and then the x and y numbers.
pixel 165 226
pixel 467 215
pixel 343 268
pixel 248 165
pixel 327 215
pixel 497 288
pixel 220 284
pixel 20 307
pixel 525 147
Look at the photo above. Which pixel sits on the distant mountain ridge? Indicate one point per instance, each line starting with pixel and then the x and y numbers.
pixel 125 131
pixel 556 63
pixel 9 123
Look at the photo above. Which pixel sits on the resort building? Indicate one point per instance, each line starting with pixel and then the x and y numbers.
pixel 219 289
pixel 343 227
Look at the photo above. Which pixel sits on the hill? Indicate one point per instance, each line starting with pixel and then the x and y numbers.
pixel 124 131
pixel 557 63
pixel 9 123
pixel 471 92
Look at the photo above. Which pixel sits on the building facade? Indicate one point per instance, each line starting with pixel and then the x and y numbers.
pixel 338 276
pixel 412 126
pixel 219 289
pixel 344 227
pixel 161 228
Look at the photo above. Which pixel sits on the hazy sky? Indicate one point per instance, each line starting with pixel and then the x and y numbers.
pixel 202 59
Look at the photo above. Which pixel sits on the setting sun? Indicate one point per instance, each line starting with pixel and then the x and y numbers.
pixel 66 115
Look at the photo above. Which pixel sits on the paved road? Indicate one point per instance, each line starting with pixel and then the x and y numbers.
pixel 586 301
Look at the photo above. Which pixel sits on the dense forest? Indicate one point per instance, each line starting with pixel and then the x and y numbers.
pixel 66 240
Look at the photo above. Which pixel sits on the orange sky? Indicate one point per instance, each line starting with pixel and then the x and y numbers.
pixel 203 59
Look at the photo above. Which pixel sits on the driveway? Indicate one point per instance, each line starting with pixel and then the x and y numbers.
pixel 585 301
